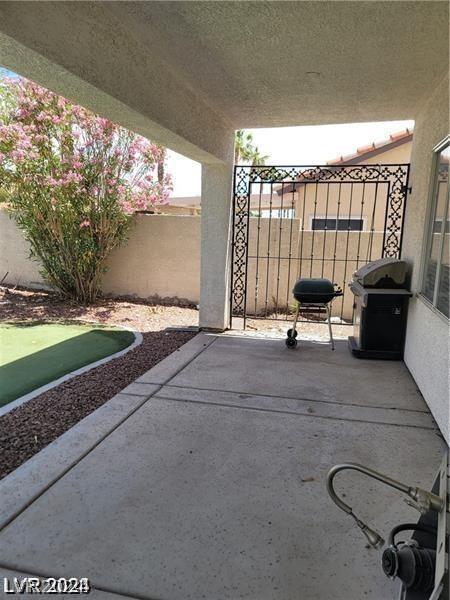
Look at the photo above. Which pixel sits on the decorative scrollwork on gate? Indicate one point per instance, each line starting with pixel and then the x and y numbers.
pixel 241 207
pixel 395 175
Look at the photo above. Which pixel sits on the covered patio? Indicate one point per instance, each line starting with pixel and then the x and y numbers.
pixel 188 74
pixel 206 478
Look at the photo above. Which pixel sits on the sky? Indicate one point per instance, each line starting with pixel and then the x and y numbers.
pixel 285 146
pixel 7 73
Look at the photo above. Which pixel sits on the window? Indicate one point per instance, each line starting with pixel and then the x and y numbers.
pixel 342 224
pixel 276 213
pixel 435 285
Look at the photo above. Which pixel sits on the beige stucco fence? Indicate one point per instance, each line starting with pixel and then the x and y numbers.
pixel 271 277
pixel 162 259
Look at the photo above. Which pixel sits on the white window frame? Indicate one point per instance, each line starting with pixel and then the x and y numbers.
pixel 431 209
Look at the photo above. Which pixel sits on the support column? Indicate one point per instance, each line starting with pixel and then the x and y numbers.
pixel 215 245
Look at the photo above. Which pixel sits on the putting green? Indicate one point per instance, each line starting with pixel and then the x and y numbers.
pixel 34 354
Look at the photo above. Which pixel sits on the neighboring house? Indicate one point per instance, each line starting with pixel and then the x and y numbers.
pixel 186 205
pixel 311 203
pixel 303 203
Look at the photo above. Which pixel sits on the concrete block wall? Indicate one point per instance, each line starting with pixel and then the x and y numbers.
pixel 269 277
pixel 162 258
pixel 14 256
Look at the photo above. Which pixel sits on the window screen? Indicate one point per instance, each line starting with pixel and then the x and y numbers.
pixel 435 284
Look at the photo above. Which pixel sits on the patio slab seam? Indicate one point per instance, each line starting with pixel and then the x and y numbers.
pixel 277 397
pixel 33 470
pixel 307 414
pixel 166 370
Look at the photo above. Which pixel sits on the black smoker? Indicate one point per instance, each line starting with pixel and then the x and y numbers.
pixel 381 308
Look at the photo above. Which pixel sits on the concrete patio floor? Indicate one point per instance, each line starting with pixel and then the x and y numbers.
pixel 206 478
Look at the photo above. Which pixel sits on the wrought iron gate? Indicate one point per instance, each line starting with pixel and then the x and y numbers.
pixel 310 221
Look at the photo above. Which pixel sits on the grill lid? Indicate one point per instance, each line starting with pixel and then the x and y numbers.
pixel 314 291
pixel 385 273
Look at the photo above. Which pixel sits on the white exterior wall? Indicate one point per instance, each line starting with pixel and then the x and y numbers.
pixel 216 244
pixel 427 341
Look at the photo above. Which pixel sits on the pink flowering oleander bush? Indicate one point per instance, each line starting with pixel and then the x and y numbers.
pixel 71 180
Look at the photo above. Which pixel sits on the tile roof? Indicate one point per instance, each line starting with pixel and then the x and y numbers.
pixel 395 139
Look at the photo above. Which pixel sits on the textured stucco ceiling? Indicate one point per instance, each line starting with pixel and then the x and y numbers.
pixel 251 59
pixel 188 73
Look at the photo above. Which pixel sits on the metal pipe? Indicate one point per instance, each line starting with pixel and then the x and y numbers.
pixel 330 331
pixel 419 498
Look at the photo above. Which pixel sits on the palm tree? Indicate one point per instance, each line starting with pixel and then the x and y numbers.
pixel 258 159
pixel 243 146
pixel 245 150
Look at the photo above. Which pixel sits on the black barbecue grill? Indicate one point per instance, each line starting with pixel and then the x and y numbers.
pixel 312 294
pixel 381 307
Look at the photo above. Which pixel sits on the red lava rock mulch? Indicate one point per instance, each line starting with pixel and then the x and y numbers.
pixel 140 315
pixel 29 428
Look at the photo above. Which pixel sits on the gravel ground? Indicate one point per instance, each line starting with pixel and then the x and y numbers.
pixel 307 330
pixel 24 431
pixel 30 305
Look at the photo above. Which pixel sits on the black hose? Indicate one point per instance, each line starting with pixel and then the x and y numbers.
pixel 409 527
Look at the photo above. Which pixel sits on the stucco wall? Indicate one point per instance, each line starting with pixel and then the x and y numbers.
pixel 366 201
pixel 14 256
pixel 271 276
pixel 162 258
pixel 427 341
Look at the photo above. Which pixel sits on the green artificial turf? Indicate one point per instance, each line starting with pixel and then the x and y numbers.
pixel 34 354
